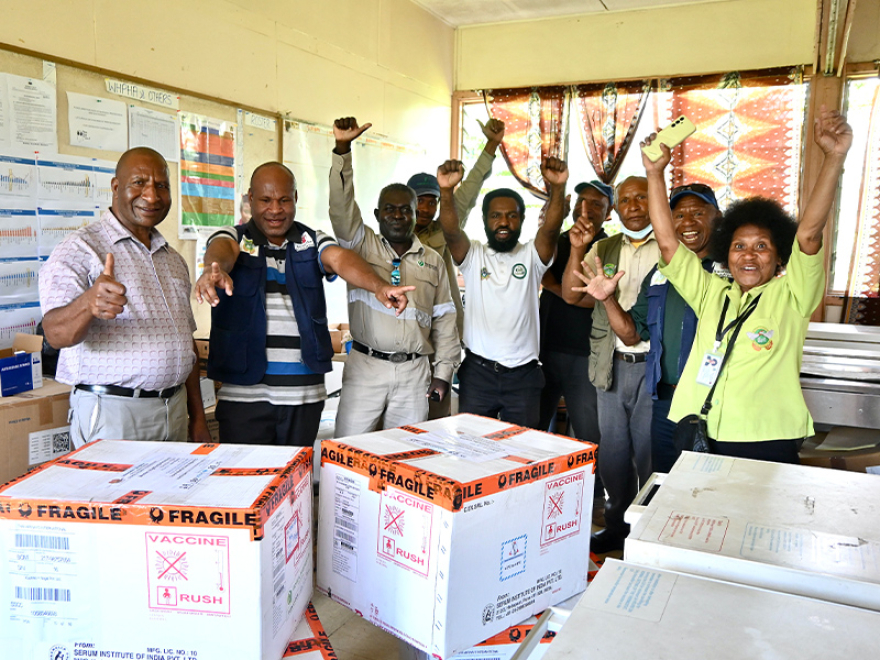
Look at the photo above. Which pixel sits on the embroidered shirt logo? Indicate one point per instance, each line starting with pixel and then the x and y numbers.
pixel 609 269
pixel 304 244
pixel 484 273
pixel 247 245
pixel 519 271
pixel 761 339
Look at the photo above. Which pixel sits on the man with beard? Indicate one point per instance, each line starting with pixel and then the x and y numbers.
pixel 661 315
pixel 388 377
pixel 616 369
pixel 501 375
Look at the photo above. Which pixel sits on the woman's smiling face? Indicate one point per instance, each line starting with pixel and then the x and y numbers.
pixel 752 258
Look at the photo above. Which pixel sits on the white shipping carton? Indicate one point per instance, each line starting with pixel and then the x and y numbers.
pixel 445 533
pixel 156 550
pixel 802 530
pixel 632 611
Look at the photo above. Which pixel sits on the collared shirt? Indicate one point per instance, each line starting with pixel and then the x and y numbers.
pixel 636 262
pixel 465 198
pixel 149 345
pixel 427 325
pixel 287 381
pixel 758 396
pixel 501 322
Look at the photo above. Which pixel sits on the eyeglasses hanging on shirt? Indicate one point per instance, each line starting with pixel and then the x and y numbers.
pixel 395 273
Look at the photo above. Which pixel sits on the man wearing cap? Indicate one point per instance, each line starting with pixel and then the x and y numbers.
pixel 661 315
pixel 500 375
pixel 617 369
pixel 388 378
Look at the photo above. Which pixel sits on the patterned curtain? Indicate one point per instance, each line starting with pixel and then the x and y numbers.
pixel 610 113
pixel 749 133
pixel 862 304
pixel 536 126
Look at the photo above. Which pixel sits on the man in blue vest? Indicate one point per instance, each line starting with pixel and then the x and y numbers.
pixel 270 346
pixel 661 315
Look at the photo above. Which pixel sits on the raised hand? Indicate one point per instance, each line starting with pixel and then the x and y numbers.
pixel 450 174
pixel 831 132
pixel 213 278
pixel 656 165
pixel 107 295
pixel 493 130
pixel 554 171
pixel 394 297
pixel 346 131
pixel 582 233
pixel 598 286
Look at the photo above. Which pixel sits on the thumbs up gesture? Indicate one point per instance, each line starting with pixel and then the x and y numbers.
pixel 107 296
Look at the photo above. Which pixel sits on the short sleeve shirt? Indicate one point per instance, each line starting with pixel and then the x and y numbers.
pixel 501 302
pixel 149 345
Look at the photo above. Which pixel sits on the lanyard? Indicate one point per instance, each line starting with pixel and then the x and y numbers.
pixel 722 330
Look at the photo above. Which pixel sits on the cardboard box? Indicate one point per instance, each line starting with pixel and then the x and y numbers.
pixel 202 345
pixel 445 533
pixel 21 367
pixel 213 424
pixel 33 428
pixel 791 528
pixel 310 641
pixel 209 392
pixel 336 340
pixel 157 550
pixel 633 611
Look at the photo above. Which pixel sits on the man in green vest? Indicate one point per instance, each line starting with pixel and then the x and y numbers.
pixel 618 370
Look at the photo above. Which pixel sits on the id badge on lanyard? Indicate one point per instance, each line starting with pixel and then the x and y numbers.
pixel 712 362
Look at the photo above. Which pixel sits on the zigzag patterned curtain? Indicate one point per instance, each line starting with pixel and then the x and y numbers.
pixel 862 304
pixel 536 126
pixel 749 133
pixel 610 113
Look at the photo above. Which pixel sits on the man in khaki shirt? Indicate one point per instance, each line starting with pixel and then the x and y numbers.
pixel 387 378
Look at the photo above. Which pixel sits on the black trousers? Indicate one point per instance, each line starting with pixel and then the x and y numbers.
pixel 261 423
pixel 775 451
pixel 513 396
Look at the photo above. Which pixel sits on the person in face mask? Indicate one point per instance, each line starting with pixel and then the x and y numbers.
pixel 617 370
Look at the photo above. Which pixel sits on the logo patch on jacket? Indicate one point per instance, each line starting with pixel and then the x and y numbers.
pixel 247 245
pixel 761 339
pixel 304 244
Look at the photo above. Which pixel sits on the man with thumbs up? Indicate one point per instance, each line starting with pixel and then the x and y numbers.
pixel 115 300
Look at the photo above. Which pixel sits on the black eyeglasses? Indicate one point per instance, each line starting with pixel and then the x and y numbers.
pixel 701 188
pixel 395 273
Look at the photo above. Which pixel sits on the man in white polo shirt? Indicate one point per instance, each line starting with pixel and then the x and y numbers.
pixel 501 375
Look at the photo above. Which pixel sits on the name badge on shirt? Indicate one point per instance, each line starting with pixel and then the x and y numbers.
pixel 709 369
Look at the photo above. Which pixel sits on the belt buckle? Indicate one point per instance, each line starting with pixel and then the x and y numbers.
pixel 397 358
pixel 629 358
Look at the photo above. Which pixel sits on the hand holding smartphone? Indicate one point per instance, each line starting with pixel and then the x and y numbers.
pixel 672 135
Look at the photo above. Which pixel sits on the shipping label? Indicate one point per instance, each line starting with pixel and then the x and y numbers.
pixel 513 557
pixel 346 525
pixel 45 445
pixel 704 533
pixel 563 507
pixel 632 591
pixel 405 530
pixel 188 572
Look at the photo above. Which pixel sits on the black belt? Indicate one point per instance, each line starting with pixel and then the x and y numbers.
pixel 115 390
pixel 396 358
pixel 631 358
pixel 497 367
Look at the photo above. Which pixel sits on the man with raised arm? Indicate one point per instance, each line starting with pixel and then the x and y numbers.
pixel 500 375
pixel 388 378
pixel 270 346
pixel 660 315
pixel 115 300
pixel 616 369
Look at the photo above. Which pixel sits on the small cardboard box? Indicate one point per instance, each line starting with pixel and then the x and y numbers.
pixel 21 367
pixel 632 611
pixel 157 549
pixel 792 528
pixel 855 460
pixel 33 428
pixel 336 340
pixel 202 345
pixel 445 533
pixel 310 641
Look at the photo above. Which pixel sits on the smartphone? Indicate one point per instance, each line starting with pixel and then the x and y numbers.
pixel 435 395
pixel 672 135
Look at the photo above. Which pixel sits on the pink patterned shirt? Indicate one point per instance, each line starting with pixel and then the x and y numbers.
pixel 149 346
